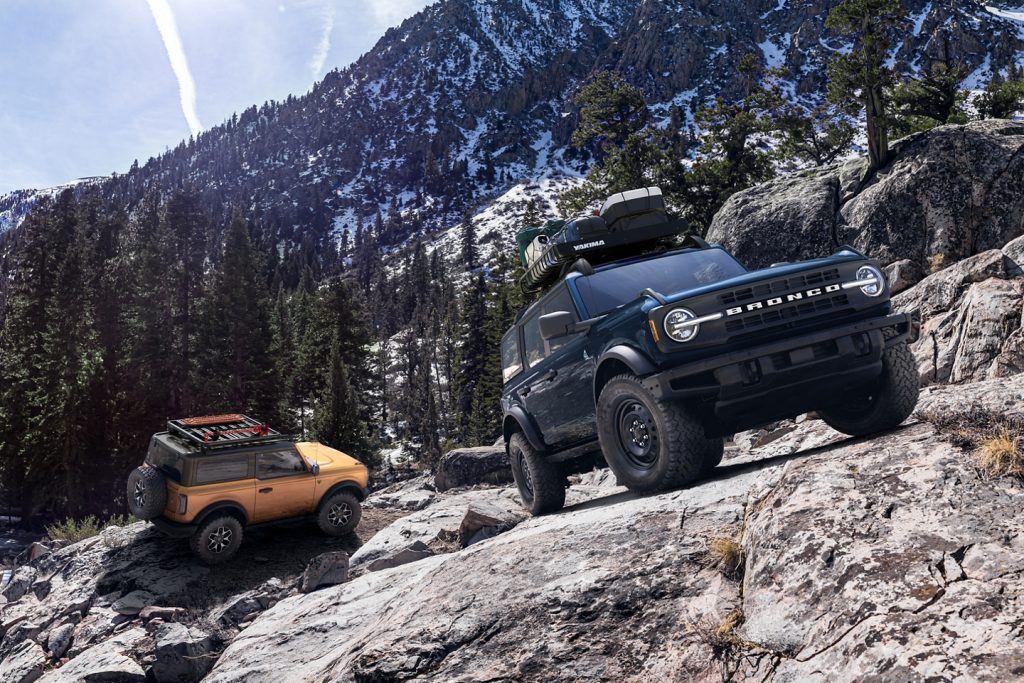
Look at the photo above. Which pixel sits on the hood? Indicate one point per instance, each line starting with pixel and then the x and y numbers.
pixel 325 456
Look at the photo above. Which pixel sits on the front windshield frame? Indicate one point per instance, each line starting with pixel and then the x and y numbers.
pixel 652 272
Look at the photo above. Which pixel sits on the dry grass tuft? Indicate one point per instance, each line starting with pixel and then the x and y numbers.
pixel 936 262
pixel 722 639
pixel 726 554
pixel 1001 456
pixel 997 441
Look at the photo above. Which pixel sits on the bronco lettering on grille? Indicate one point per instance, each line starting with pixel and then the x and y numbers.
pixel 778 300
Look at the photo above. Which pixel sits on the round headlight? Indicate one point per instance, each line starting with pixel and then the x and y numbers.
pixel 874 280
pixel 676 326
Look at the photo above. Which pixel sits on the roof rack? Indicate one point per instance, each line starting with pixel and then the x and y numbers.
pixel 216 431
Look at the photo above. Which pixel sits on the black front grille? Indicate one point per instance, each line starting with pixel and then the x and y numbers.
pixel 764 290
pixel 771 316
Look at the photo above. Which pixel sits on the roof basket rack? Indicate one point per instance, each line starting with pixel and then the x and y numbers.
pixel 610 246
pixel 629 224
pixel 216 431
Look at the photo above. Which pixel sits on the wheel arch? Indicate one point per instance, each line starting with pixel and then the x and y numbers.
pixel 619 360
pixel 229 508
pixel 516 420
pixel 348 485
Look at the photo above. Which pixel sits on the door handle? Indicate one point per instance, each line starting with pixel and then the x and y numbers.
pixel 524 391
pixel 266 490
pixel 546 377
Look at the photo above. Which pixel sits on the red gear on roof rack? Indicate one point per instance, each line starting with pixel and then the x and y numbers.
pixel 214 431
pixel 207 420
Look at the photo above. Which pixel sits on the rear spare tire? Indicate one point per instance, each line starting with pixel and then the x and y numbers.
pixel 885 404
pixel 651 444
pixel 541 483
pixel 147 492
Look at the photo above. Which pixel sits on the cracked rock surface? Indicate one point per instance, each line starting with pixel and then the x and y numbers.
pixel 886 554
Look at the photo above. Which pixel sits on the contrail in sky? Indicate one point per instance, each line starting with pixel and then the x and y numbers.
pixel 316 64
pixel 176 54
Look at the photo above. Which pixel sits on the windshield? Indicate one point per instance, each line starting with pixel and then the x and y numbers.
pixel 606 290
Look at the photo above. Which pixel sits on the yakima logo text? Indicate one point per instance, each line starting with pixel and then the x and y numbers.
pixel 588 245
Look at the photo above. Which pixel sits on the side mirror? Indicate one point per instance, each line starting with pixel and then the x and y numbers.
pixel 315 469
pixel 556 324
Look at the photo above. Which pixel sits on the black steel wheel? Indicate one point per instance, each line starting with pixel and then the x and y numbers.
pixel 541 483
pixel 637 433
pixel 651 444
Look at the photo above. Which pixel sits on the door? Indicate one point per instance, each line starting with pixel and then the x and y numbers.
pixel 284 487
pixel 558 384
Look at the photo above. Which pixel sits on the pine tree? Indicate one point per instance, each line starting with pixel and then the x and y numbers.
pixel 467 240
pixel 933 99
pixel 485 420
pixel 734 153
pixel 1002 98
pixel 472 350
pixel 815 137
pixel 35 364
pixel 859 79
pixel 613 125
pixel 237 335
pixel 186 228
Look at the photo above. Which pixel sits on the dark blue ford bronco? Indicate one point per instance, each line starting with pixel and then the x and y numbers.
pixel 654 355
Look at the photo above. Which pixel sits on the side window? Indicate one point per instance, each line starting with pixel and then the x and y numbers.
pixel 511 365
pixel 278 463
pixel 212 470
pixel 535 347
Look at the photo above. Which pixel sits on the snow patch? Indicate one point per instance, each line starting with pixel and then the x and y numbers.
pixel 774 55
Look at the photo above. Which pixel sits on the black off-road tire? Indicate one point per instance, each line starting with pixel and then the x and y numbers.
pixel 147 492
pixel 340 514
pixel 713 456
pixel 651 445
pixel 541 483
pixel 886 404
pixel 217 539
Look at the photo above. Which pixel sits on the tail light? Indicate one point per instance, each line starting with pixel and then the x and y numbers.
pixel 182 503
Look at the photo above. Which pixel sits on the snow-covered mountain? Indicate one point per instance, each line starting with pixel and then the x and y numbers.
pixel 468 98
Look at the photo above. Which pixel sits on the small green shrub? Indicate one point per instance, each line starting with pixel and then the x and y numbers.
pixel 74 530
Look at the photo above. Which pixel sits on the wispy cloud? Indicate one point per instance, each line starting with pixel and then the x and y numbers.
pixel 393 12
pixel 316 63
pixel 165 23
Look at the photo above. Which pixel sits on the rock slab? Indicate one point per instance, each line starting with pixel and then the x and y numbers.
pixel 473 466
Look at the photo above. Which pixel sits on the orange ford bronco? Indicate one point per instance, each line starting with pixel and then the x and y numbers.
pixel 208 478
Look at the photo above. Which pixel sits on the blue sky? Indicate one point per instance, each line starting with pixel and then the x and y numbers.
pixel 88 87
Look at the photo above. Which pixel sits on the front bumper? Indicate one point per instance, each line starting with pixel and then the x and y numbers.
pixel 174 529
pixel 786 377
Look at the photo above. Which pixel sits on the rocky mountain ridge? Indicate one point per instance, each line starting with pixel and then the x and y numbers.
pixel 467 97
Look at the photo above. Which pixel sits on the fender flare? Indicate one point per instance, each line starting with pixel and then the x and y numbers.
pixel 346 485
pixel 637 362
pixel 210 510
pixel 516 417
